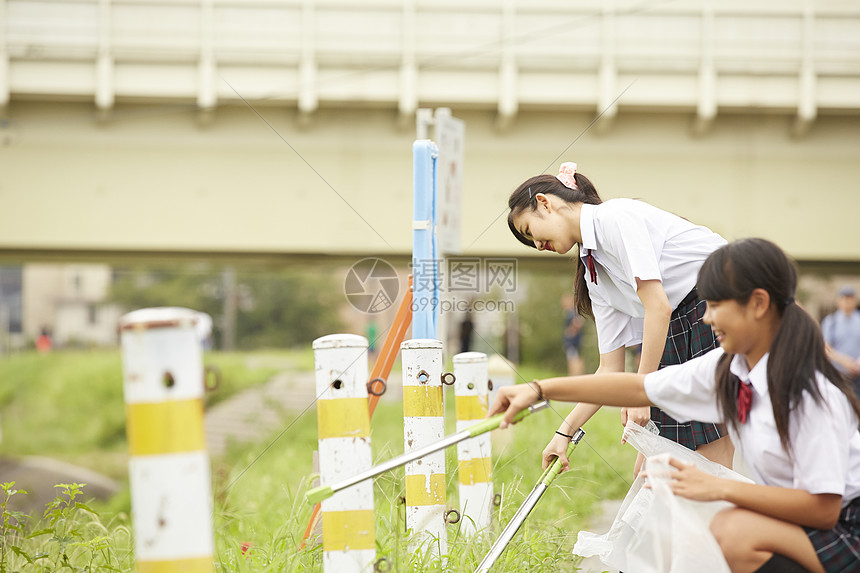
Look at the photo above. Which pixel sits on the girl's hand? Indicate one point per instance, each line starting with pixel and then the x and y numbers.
pixel 692 483
pixel 557 448
pixel 511 400
pixel 639 415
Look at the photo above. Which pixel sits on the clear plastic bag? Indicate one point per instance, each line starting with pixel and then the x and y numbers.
pixel 656 531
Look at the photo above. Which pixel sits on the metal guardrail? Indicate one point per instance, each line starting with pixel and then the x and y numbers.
pixel 694 54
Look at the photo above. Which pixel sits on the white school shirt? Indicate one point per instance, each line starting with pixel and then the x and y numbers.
pixel 824 436
pixel 630 239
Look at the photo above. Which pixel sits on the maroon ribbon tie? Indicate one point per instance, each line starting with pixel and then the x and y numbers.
pixel 745 397
pixel 589 262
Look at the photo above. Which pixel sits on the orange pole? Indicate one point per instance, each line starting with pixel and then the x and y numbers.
pixel 315 515
pixel 381 369
pixel 389 350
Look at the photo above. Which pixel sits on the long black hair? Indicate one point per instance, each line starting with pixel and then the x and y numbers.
pixel 523 198
pixel 797 352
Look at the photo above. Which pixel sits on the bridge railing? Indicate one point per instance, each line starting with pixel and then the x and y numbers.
pixel 690 54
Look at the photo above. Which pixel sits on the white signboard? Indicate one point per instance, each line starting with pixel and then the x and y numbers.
pixel 449 135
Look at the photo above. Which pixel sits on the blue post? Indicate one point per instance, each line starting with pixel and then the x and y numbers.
pixel 425 258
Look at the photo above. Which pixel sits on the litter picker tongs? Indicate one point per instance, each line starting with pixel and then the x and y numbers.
pixel 322 492
pixel 528 505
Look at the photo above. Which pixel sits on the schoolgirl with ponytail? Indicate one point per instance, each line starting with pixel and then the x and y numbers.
pixel 790 413
pixel 636 276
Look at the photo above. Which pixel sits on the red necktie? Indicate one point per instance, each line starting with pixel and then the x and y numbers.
pixel 589 262
pixel 745 397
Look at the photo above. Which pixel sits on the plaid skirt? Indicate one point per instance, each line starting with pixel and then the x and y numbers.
pixel 838 549
pixel 688 337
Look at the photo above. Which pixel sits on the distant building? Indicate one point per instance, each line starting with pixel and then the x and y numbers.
pixel 69 302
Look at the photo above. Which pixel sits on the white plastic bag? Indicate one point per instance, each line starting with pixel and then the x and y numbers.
pixel 656 531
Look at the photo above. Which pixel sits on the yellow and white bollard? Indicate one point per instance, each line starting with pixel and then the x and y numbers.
pixel 423 424
pixel 343 420
pixel 169 473
pixel 474 456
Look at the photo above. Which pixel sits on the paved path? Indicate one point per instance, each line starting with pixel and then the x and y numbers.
pixel 256 414
pixel 38 476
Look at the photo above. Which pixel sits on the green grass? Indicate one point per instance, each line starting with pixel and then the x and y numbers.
pixel 259 504
pixel 48 405
pixel 48 402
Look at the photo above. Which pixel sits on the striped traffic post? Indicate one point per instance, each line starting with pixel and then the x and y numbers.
pixel 424 424
pixel 343 423
pixel 474 462
pixel 171 497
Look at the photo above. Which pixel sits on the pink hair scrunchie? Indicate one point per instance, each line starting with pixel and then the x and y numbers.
pixel 565 174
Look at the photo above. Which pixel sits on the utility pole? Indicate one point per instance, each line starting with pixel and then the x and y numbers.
pixel 228 323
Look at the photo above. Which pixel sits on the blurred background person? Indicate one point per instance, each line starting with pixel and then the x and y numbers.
pixel 372 333
pixel 44 342
pixel 841 332
pixel 204 330
pixel 572 338
pixel 467 327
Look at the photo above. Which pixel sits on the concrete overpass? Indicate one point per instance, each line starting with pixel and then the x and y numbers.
pixel 281 130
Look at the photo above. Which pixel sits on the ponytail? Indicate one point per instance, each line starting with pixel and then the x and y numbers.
pixel 523 199
pixel 580 291
pixel 797 352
